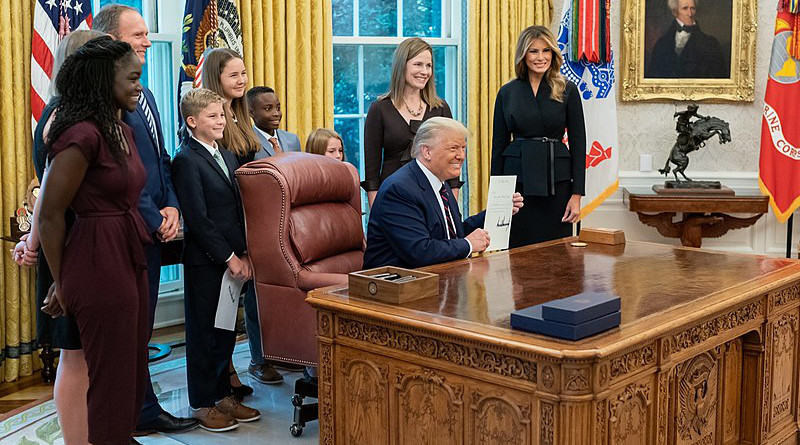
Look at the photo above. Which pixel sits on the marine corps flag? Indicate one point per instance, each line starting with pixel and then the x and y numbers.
pixel 779 165
pixel 596 83
pixel 207 24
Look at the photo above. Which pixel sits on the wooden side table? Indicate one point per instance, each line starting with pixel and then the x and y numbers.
pixel 704 216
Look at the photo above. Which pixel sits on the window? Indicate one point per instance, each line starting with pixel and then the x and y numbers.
pixel 160 75
pixel 365 34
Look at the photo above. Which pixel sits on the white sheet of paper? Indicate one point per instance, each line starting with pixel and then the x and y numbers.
pixel 499 210
pixel 228 305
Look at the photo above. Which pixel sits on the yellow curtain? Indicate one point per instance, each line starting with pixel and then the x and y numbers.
pixel 17 311
pixel 288 45
pixel 493 28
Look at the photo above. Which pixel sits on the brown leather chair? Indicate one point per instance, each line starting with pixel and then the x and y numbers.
pixel 304 231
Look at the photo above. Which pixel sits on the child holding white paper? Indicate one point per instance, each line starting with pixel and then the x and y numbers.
pixel 214 242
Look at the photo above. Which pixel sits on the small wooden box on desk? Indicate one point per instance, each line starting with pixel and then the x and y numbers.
pixel 364 284
pixel 602 236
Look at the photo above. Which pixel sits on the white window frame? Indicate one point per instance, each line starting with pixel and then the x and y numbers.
pixel 451 26
pixel 158 18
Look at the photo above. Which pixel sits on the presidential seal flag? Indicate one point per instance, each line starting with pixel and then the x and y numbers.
pixel 207 24
pixel 52 20
pixel 779 164
pixel 584 42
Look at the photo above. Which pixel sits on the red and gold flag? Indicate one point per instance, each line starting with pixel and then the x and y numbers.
pixel 779 165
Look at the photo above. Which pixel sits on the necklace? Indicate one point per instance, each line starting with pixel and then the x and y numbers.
pixel 414 113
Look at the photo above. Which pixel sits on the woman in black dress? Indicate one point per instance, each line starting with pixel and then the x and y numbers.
pixel 393 119
pixel 530 116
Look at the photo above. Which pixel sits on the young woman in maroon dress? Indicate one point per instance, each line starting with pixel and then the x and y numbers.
pixel 99 267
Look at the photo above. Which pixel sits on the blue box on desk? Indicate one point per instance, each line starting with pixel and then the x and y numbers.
pixel 580 308
pixel 530 319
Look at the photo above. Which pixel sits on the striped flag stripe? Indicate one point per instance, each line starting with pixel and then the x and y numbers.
pixel 42 54
pixel 40 82
pixel 47 18
pixel 37 104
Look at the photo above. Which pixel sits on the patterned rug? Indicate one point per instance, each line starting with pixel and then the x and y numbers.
pixel 38 425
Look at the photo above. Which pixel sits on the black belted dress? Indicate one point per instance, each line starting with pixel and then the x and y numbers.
pixel 528 142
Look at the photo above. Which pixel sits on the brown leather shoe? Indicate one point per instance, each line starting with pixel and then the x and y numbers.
pixel 265 374
pixel 232 407
pixel 214 420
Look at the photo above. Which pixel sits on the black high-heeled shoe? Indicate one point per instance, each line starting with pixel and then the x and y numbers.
pixel 240 392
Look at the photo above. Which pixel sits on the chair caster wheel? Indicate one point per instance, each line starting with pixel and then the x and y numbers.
pixel 297 400
pixel 296 430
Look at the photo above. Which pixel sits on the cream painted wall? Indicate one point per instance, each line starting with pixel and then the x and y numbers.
pixel 648 128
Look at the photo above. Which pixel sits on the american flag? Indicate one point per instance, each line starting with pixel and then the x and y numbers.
pixel 52 20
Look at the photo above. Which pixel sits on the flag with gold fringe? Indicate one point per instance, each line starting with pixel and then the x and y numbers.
pixel 779 164
pixel 583 40
pixel 207 24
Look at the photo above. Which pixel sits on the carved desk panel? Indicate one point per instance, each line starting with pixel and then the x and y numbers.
pixel 707 353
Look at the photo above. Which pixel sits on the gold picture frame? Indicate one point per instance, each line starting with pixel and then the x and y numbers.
pixel 638 44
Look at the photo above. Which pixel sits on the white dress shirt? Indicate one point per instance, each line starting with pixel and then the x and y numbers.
pixel 681 38
pixel 268 137
pixel 436 185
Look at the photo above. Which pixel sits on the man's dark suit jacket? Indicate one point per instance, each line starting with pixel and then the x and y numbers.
pixel 158 190
pixel 211 206
pixel 701 58
pixel 406 226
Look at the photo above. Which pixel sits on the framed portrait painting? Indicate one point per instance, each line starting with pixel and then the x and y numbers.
pixel 688 50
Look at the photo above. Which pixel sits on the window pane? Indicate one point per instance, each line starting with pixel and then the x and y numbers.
pixel 439 71
pixel 342 17
pixel 377 18
pixel 348 129
pixel 422 18
pixel 345 79
pixel 377 72
pixel 159 61
pixel 170 273
pixel 132 3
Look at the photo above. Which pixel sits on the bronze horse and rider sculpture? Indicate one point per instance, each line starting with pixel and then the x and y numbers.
pixel 692 135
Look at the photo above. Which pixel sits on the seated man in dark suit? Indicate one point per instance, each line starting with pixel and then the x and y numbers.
pixel 415 219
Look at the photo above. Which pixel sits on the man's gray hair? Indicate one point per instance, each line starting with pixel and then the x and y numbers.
pixel 107 20
pixel 673 5
pixel 429 132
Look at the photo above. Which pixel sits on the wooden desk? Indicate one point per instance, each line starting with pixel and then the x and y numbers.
pixel 703 215
pixel 707 353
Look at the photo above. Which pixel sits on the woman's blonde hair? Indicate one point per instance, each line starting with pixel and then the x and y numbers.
pixel 69 44
pixel 238 137
pixel 317 142
pixel 553 75
pixel 407 50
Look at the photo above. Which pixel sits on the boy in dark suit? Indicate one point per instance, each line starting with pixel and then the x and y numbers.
pixel 214 241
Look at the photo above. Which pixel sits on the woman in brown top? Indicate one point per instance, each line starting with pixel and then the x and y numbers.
pixel 393 119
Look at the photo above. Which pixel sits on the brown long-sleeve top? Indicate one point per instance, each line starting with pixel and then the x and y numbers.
pixel 388 138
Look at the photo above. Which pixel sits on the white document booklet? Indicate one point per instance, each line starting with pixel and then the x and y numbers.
pixel 499 210
pixel 228 305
